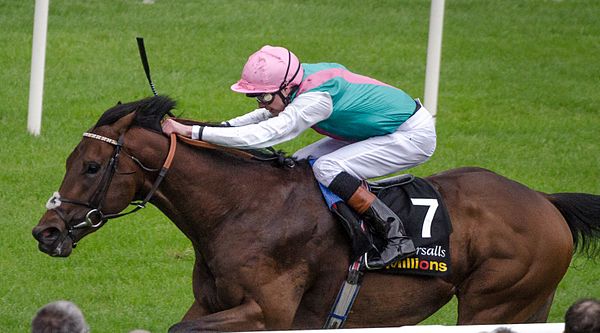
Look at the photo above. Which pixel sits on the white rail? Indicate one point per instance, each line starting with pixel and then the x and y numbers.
pixel 38 59
pixel 434 56
pixel 517 328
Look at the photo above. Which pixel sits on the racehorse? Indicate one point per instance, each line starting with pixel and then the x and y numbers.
pixel 270 255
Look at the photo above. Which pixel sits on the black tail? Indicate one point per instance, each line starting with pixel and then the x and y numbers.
pixel 582 212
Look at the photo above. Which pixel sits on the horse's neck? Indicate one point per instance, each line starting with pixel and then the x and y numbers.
pixel 205 189
pixel 235 211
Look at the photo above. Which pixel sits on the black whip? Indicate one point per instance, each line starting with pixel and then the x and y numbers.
pixel 142 48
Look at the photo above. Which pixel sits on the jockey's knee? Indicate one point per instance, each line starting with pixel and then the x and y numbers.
pixel 302 154
pixel 428 147
pixel 326 169
pixel 431 147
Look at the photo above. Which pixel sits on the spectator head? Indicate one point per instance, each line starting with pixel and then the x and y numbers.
pixel 59 317
pixel 583 317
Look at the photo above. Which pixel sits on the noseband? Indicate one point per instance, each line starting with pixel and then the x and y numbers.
pixel 95 203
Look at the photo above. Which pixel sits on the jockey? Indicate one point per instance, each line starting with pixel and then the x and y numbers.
pixel 372 129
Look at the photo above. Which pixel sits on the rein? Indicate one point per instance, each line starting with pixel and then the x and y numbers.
pixel 275 156
pixel 208 145
pixel 254 154
pixel 95 202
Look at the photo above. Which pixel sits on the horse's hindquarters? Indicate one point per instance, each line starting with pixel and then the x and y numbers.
pixel 510 247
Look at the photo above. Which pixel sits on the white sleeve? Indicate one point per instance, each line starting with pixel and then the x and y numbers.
pixel 253 117
pixel 305 111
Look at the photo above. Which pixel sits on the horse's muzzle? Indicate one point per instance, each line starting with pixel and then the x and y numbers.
pixel 52 239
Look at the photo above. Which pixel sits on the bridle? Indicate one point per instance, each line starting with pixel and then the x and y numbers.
pixel 95 202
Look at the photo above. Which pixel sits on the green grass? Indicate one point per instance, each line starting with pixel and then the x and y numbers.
pixel 519 94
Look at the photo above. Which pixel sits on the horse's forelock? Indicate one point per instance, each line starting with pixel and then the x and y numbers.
pixel 149 112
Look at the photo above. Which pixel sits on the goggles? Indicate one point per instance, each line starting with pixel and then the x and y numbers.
pixel 264 98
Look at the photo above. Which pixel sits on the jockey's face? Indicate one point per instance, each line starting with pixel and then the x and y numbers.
pixel 275 107
pixel 277 104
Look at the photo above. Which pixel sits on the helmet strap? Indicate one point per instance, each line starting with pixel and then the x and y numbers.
pixel 287 70
pixel 287 99
pixel 285 82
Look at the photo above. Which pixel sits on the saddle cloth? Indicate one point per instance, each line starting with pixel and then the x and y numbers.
pixel 426 220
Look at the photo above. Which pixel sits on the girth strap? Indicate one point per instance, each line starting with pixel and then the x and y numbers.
pixel 346 297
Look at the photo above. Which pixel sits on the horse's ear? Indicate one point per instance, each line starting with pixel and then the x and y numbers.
pixel 124 123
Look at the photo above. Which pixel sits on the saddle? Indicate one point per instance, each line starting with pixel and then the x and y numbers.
pixel 420 207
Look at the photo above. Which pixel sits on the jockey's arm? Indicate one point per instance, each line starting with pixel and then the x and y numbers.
pixel 253 117
pixel 305 111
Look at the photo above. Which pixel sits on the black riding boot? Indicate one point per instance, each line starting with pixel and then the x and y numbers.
pixel 389 226
pixel 385 222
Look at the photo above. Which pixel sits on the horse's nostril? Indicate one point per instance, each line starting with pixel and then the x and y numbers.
pixel 48 235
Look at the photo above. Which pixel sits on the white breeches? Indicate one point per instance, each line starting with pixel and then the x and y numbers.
pixel 412 144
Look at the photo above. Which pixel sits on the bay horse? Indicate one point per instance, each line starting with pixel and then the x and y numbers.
pixel 270 255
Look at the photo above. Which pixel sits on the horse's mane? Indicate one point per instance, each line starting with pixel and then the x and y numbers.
pixel 149 112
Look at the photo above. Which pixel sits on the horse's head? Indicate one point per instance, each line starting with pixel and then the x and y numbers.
pixel 101 177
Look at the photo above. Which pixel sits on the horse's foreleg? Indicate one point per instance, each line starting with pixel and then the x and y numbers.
pixel 248 317
pixel 201 281
pixel 195 311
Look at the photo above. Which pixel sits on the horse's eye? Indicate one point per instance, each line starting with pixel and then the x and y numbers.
pixel 92 168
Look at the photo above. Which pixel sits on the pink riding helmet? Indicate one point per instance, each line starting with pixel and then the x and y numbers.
pixel 268 70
